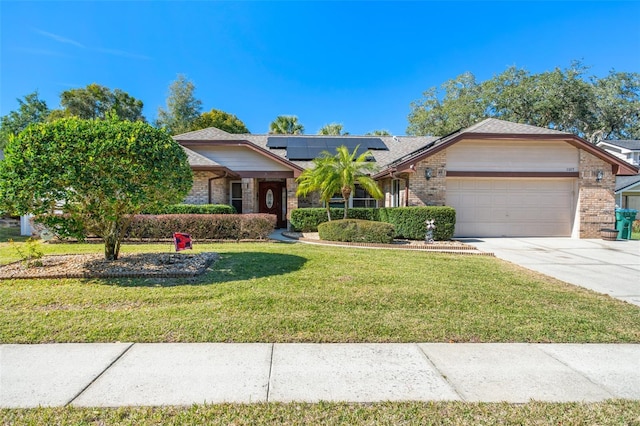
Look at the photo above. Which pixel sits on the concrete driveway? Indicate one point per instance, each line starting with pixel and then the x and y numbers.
pixel 610 267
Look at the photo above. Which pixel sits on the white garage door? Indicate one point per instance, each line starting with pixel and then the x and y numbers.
pixel 518 207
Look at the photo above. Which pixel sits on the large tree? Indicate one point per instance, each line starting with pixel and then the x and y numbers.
pixel 97 173
pixel 96 101
pixel 334 129
pixel 340 172
pixel 562 99
pixel 286 125
pixel 31 109
pixel 183 108
pixel 220 120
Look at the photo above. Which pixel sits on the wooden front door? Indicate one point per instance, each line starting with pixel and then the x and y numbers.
pixel 270 200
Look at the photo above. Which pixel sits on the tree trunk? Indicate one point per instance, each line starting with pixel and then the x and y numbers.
pixel 328 212
pixel 112 242
pixel 346 193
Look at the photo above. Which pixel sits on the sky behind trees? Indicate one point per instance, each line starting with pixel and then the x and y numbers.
pixel 360 64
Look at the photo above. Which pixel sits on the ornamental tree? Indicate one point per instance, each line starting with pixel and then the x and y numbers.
pixel 341 172
pixel 89 177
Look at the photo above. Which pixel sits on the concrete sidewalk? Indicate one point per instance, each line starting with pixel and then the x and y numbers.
pixel 125 374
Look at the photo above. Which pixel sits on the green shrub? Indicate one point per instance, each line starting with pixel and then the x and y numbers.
pixel 193 209
pixel 202 226
pixel 307 220
pixel 410 223
pixel 357 231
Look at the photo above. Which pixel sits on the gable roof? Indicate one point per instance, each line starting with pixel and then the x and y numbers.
pixel 397 146
pixel 492 128
pixel 626 182
pixel 632 145
pixel 402 151
pixel 496 126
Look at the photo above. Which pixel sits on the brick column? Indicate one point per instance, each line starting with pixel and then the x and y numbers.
pixel 249 195
pixel 596 205
pixel 432 192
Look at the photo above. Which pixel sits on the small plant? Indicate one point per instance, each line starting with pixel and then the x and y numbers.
pixel 30 254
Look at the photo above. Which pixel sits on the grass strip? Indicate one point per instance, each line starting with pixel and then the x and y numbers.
pixel 612 412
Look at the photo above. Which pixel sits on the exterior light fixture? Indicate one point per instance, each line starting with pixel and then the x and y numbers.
pixel 428 173
pixel 599 175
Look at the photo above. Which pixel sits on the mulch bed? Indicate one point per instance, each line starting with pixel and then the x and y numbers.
pixel 147 265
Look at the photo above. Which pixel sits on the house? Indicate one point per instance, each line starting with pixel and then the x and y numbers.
pixel 503 179
pixel 627 192
pixel 628 150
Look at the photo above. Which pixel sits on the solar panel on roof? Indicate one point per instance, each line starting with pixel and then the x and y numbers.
pixel 277 142
pixel 299 153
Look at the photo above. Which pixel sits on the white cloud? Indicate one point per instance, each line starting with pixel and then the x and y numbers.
pixel 59 38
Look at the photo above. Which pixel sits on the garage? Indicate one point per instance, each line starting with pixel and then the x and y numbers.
pixel 512 207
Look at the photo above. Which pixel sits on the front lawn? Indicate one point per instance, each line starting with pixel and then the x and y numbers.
pixel 277 292
pixel 615 412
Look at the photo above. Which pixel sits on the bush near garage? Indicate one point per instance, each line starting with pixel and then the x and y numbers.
pixel 356 231
pixel 308 219
pixel 202 226
pixel 193 209
pixel 410 221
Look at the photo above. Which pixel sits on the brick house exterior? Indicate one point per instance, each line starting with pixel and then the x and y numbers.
pixel 503 178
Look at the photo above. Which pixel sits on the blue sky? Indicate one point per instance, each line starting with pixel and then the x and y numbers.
pixel 356 63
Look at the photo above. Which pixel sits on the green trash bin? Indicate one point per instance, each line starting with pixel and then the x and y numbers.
pixel 624 220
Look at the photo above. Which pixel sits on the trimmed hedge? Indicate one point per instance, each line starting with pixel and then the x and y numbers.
pixel 357 231
pixel 307 220
pixel 202 226
pixel 409 222
pixel 193 209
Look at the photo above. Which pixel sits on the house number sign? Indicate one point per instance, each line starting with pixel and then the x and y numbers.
pixel 269 198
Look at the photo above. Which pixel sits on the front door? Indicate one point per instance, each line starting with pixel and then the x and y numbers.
pixel 270 200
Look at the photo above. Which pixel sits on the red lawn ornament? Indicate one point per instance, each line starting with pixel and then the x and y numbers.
pixel 182 241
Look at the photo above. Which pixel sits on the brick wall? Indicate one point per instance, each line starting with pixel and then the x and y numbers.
pixel 199 193
pixel 292 198
pixel 249 195
pixel 432 192
pixel 596 199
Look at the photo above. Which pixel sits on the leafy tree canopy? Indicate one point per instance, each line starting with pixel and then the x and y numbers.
pixel 286 125
pixel 562 99
pixel 381 132
pixel 96 172
pixel 96 101
pixel 220 120
pixel 31 109
pixel 339 173
pixel 183 109
pixel 332 129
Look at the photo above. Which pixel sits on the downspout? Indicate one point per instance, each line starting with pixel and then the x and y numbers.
pixel 209 184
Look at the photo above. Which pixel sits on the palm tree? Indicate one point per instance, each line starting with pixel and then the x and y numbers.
pixel 339 173
pixel 381 132
pixel 334 129
pixel 286 125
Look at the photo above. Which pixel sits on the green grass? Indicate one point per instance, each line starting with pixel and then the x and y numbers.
pixel 11 232
pixel 276 292
pixel 614 412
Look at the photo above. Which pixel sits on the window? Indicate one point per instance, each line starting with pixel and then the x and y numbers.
pixel 395 193
pixel 236 196
pixel 361 198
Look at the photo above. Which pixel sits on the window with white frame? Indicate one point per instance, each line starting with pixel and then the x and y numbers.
pixel 359 198
pixel 395 193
